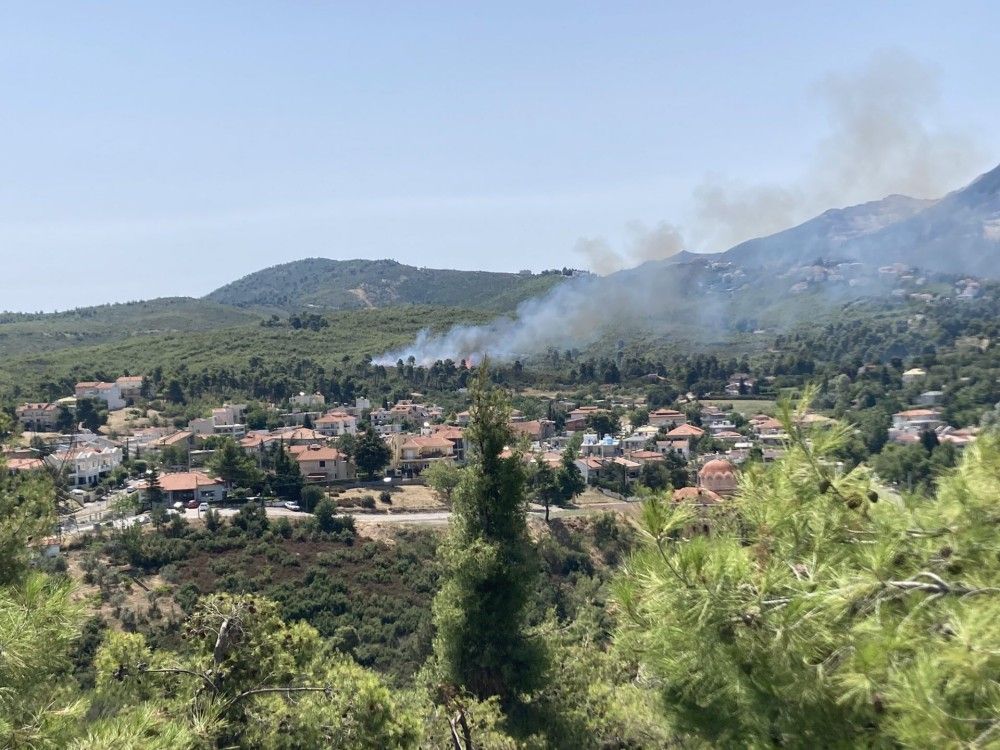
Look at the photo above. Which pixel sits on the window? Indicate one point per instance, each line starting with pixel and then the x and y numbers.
pixel 322 464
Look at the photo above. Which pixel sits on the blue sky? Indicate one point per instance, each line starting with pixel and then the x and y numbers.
pixel 152 149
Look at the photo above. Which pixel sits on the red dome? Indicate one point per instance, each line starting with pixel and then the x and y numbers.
pixel 717 466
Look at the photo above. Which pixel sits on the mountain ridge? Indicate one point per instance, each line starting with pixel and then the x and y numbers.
pixel 329 284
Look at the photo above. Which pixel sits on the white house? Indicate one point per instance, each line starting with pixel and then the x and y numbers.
pixel 917 420
pixel 914 374
pixel 336 423
pixel 307 401
pixel 110 393
pixel 85 465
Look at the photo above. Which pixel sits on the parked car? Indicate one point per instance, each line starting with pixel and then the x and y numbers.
pixel 192 504
pixel 178 505
pixel 203 507
pixel 292 506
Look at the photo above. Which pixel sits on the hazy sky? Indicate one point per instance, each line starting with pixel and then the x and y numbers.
pixel 151 149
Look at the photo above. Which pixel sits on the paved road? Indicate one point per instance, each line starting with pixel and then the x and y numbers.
pixel 398 518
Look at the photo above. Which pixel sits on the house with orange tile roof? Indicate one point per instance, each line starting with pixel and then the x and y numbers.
pixel 321 463
pixel 185 486
pixel 667 418
pixel 38 417
pixel 411 454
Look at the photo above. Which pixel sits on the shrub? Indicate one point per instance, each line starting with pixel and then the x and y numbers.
pixel 386 497
pixel 368 501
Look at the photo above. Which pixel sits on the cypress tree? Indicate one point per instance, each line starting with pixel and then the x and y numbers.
pixel 482 642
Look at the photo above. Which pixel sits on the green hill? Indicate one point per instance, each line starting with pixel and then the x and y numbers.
pixel 235 358
pixel 22 333
pixel 357 284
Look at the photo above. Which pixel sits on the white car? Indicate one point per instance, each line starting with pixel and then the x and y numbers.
pixel 292 506
pixel 203 508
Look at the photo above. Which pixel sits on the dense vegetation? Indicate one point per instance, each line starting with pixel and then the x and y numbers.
pixel 821 605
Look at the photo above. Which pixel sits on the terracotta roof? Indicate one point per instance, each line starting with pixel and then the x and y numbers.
pixel 182 481
pixel 686 431
pixel 646 455
pixel 303 433
pixel 427 441
pixel 532 428
pixel 334 417
pixel 697 495
pixel 318 453
pixel 451 433
pixel 667 413
pixel 25 464
pixel 177 437
pixel 918 413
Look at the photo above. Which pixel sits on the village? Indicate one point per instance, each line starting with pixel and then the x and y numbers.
pixel 105 443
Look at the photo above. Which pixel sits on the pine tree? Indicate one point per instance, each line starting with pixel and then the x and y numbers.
pixel 824 610
pixel 371 454
pixel 482 642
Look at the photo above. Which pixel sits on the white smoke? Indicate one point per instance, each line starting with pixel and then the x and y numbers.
pixel 884 138
pixel 882 141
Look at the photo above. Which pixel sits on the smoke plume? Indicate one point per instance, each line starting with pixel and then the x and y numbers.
pixel 882 140
pixel 645 244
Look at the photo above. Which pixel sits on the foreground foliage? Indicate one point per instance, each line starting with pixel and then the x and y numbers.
pixel 824 611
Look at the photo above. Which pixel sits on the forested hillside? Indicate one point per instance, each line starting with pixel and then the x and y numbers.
pixel 29 333
pixel 347 284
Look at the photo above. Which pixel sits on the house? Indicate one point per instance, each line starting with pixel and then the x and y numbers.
pixel 183 438
pixel 414 453
pixel 462 418
pixel 630 467
pixel 307 401
pixel 667 418
pixel 185 486
pixel 18 465
pixel 930 398
pixel 740 384
pixel 130 387
pixel 109 393
pixel 605 447
pixel 679 439
pixel 646 457
pixel 38 417
pixel 764 425
pixel 583 412
pixel 302 436
pixel 958 437
pixel 590 468
pixel 337 423
pixel 914 374
pixel 535 430
pixel 320 463
pixel 459 443
pixel 85 465
pixel 916 420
